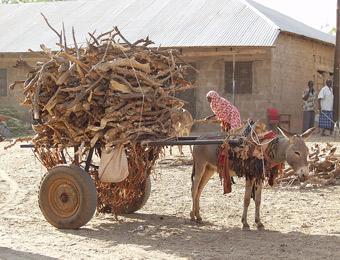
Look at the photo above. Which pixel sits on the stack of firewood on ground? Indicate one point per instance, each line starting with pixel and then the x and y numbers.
pixel 108 93
pixel 324 167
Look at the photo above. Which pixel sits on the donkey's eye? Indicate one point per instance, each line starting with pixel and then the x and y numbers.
pixel 298 153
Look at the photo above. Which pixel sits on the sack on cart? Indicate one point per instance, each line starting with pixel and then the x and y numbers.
pixel 113 165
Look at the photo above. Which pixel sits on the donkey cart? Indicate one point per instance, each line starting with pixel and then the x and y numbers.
pixel 68 195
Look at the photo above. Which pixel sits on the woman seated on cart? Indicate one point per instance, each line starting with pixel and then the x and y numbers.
pixel 225 112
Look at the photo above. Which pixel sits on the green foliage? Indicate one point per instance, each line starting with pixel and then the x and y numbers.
pixel 333 31
pixel 8 111
pixel 17 127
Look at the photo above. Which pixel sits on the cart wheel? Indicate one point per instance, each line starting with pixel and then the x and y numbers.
pixel 140 201
pixel 67 197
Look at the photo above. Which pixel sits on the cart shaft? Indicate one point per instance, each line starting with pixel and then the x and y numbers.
pixel 186 140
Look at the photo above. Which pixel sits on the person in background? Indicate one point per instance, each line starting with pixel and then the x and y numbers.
pixel 225 112
pixel 325 106
pixel 309 98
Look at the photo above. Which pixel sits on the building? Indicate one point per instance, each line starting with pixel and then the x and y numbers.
pixel 271 56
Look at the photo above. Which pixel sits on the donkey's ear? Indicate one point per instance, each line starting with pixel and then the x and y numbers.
pixel 285 132
pixel 308 133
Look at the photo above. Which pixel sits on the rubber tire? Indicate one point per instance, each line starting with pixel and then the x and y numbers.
pixel 87 196
pixel 132 208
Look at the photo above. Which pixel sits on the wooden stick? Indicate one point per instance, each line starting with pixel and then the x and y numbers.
pixel 49 25
pixel 75 43
pixel 64 33
pixel 94 38
pixel 121 36
pixel 106 33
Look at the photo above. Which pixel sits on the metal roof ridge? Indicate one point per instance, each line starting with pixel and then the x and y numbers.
pixel 262 15
pixel 293 19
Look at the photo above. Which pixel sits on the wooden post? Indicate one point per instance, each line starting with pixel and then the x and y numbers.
pixel 234 80
pixel 336 79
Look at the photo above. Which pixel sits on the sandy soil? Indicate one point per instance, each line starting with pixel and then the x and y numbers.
pixel 300 224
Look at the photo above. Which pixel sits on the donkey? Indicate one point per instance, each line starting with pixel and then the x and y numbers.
pixel 182 122
pixel 289 147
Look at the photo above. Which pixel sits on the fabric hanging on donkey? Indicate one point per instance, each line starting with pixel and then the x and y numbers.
pixel 223 167
pixel 244 156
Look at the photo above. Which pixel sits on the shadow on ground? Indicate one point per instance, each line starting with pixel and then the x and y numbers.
pixel 179 237
pixel 9 253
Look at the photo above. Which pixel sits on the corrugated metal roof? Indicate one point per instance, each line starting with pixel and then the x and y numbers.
pixel 169 23
pixel 288 24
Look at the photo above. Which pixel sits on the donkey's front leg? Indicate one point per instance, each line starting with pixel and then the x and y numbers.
pixel 258 192
pixel 247 195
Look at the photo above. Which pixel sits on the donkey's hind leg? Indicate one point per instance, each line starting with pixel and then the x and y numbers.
pixel 205 178
pixel 180 149
pixel 198 170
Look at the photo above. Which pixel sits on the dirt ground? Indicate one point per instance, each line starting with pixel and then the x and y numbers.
pixel 300 224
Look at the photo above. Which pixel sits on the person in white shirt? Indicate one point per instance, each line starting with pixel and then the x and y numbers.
pixel 325 101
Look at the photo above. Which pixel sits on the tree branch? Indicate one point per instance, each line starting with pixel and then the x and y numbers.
pixel 49 25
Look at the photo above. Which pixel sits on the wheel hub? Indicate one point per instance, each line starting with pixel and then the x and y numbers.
pixel 64 198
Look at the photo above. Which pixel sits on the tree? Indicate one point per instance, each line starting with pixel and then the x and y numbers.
pixel 332 31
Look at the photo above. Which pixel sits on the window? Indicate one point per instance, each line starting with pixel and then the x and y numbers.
pixel 3 82
pixel 243 77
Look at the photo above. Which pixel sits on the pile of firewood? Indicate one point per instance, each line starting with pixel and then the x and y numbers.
pixel 324 167
pixel 107 93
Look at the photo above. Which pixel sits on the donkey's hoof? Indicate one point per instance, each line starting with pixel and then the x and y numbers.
pixel 199 220
pixel 260 226
pixel 192 216
pixel 246 227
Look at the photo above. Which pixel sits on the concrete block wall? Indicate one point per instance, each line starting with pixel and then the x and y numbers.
pixel 254 105
pixel 295 61
pixel 212 77
pixel 15 97
pixel 279 77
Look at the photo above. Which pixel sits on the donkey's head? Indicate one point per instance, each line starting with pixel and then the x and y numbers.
pixel 180 119
pixel 296 151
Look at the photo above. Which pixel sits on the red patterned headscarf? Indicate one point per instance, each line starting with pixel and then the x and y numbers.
pixel 225 112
